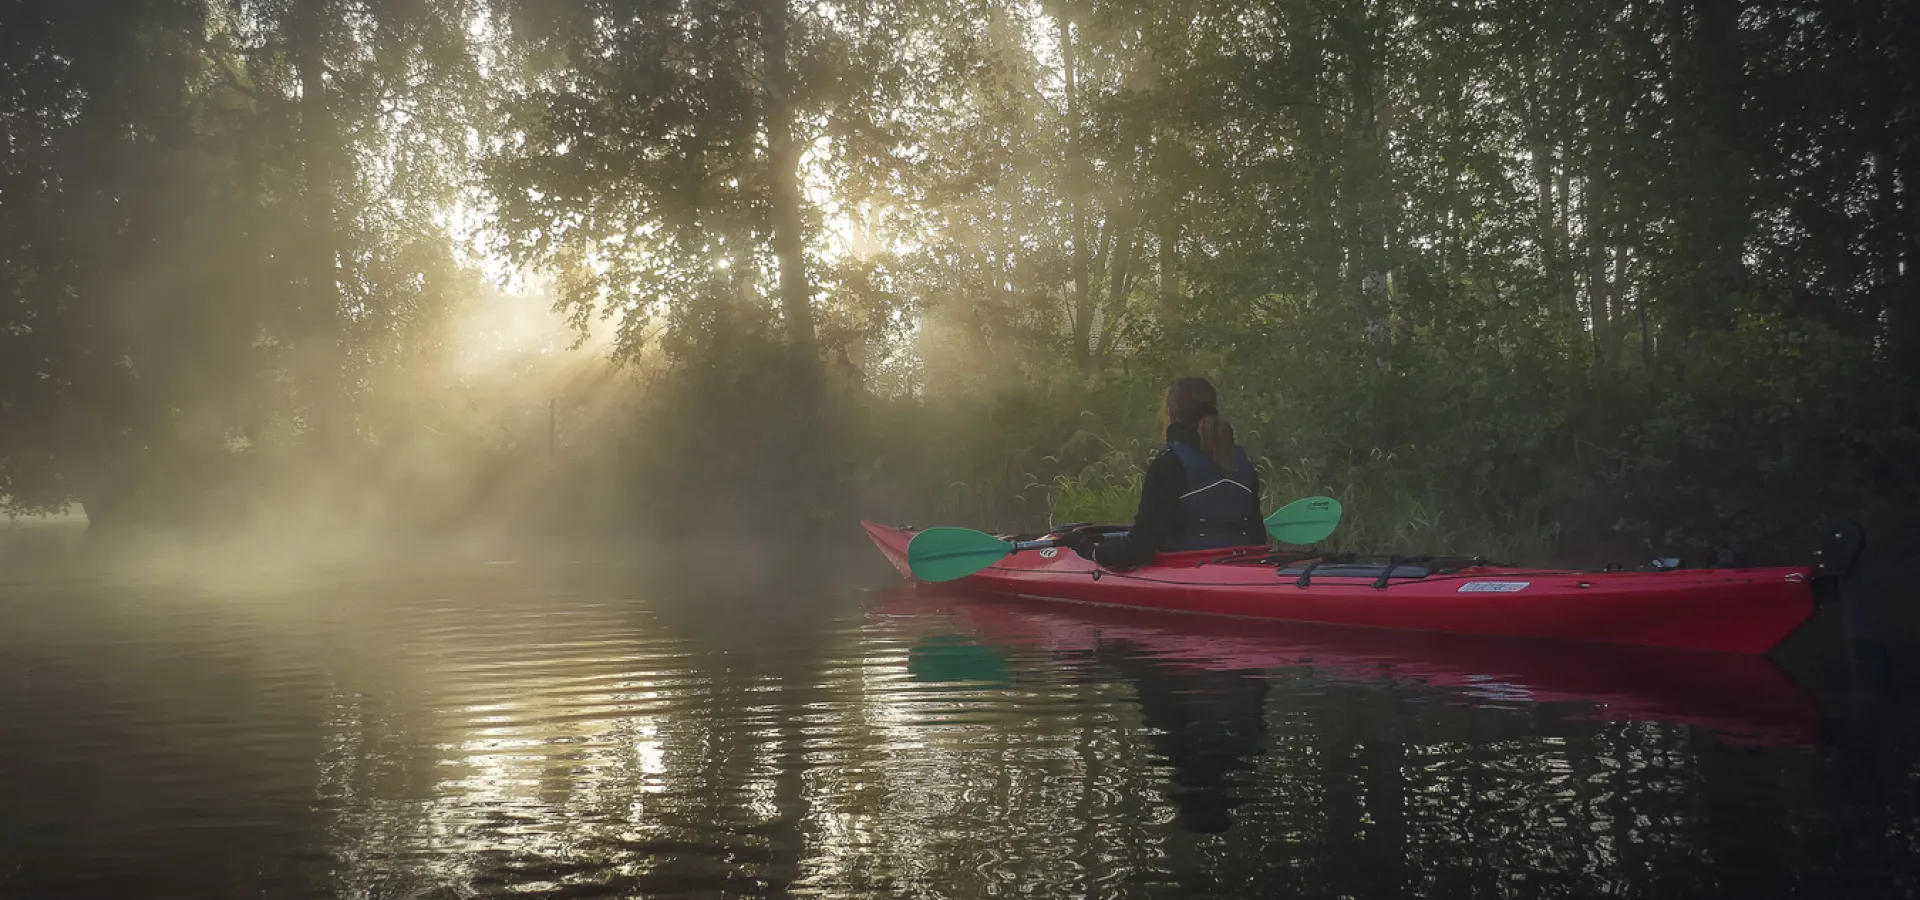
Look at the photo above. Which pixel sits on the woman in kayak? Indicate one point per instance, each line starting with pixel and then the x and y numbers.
pixel 1201 492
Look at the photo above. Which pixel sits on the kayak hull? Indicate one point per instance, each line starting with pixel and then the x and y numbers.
pixel 1743 610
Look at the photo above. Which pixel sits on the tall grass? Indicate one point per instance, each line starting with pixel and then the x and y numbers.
pixel 1106 491
pixel 1390 507
pixel 1102 501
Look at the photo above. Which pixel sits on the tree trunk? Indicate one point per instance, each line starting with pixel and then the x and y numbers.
pixel 1167 160
pixel 1903 300
pixel 783 161
pixel 1119 282
pixel 1648 360
pixel 1898 164
pixel 1567 247
pixel 1368 186
pixel 1714 160
pixel 1903 303
pixel 1551 221
pixel 1170 265
pixel 325 356
pixel 1608 299
pixel 1597 300
pixel 1306 69
pixel 1552 212
pixel 1082 308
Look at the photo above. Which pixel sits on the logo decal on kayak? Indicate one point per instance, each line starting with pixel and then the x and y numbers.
pixel 1493 587
pixel 1050 553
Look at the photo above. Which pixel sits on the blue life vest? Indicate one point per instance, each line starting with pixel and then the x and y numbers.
pixel 1214 506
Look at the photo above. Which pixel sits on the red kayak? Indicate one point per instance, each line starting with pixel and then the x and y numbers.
pixel 1743 610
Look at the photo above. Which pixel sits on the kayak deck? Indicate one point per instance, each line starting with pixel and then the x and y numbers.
pixel 1742 610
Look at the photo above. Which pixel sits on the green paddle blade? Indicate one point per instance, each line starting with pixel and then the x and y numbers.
pixel 943 554
pixel 1307 520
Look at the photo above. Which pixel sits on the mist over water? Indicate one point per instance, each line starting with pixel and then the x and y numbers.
pixel 629 721
pixel 452 418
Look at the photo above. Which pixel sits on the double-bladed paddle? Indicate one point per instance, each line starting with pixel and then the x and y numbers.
pixel 943 554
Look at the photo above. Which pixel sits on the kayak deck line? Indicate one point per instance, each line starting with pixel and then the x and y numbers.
pixel 1741 610
pixel 1398 581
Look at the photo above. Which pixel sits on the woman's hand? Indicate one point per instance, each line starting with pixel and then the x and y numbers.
pixel 1079 542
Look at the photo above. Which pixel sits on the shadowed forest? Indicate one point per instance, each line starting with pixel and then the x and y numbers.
pixel 1505 277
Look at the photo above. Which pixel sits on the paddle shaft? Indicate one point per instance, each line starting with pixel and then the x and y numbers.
pixel 1055 542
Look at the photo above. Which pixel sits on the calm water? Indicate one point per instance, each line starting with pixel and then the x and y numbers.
pixel 588 729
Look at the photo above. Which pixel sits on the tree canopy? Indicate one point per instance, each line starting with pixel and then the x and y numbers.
pixel 1499 274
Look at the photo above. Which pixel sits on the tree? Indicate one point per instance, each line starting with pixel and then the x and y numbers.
pixel 211 195
pixel 100 145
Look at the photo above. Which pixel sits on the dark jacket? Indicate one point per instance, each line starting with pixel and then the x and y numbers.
pixel 1159 519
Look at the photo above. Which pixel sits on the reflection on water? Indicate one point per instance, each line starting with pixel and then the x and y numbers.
pixel 591 730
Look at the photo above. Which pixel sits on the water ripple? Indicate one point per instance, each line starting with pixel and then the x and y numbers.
pixel 526 731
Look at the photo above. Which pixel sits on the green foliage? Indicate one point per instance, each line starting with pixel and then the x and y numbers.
pixel 1457 441
pixel 1817 434
pixel 222 262
pixel 1620 277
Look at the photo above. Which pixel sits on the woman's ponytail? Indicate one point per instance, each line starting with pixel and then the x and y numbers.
pixel 1216 440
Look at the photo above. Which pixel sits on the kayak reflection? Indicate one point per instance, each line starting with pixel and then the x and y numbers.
pixel 1742 698
pixel 1202 682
